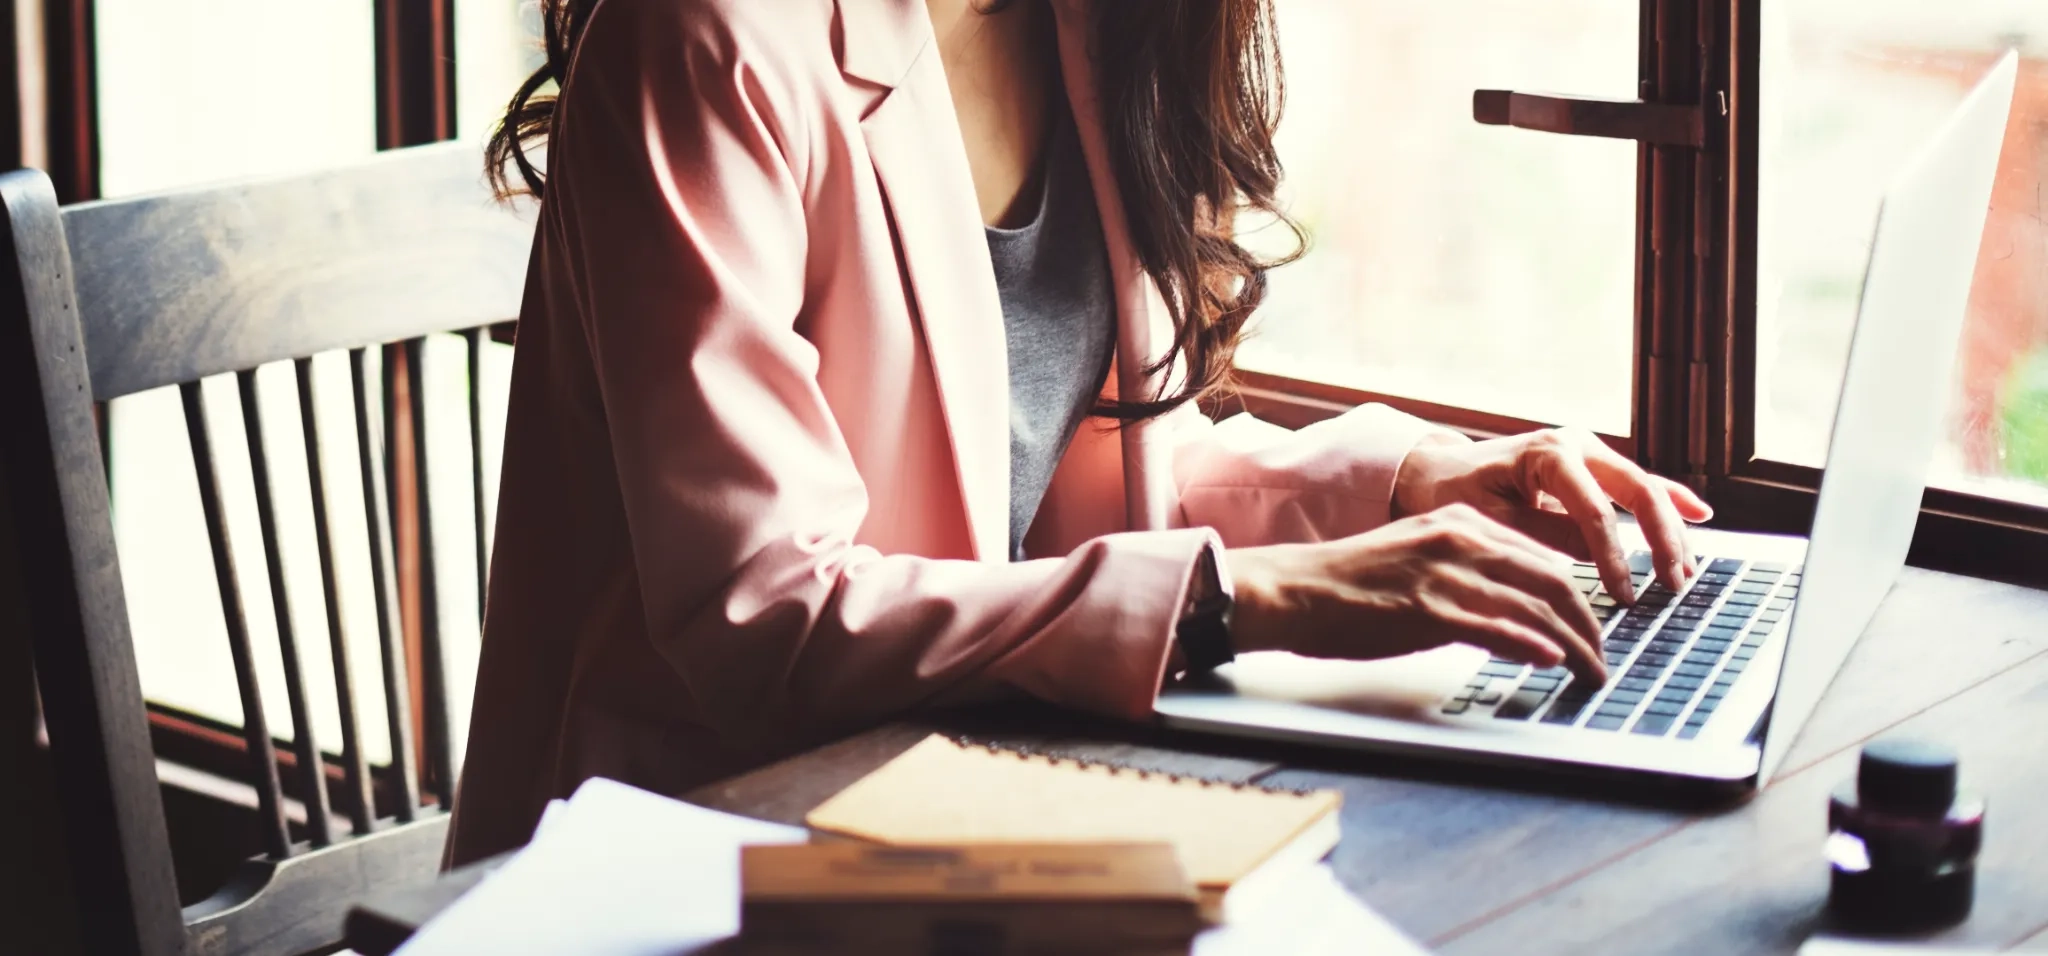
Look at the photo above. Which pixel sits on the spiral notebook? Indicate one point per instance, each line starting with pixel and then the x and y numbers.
pixel 1233 839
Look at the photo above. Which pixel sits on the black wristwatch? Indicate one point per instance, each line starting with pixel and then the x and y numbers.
pixel 1204 630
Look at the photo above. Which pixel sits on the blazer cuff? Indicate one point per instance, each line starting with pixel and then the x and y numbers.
pixel 1119 633
pixel 1376 439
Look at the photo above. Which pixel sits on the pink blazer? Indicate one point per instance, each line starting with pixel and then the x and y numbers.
pixel 756 468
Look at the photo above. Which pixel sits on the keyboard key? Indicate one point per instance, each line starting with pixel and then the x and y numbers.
pixel 1624 696
pixel 1730 621
pixel 1740 598
pixel 1700 658
pixel 1689 612
pixel 1744 653
pixel 1713 577
pixel 1713 645
pixel 1558 671
pixel 1780 604
pixel 1683 682
pixel 1683 627
pixel 1521 705
pixel 1688 732
pixel 1663 708
pixel 1639 562
pixel 1714 694
pixel 1700 599
pixel 1656 662
pixel 1457 706
pixel 1654 725
pixel 1497 668
pixel 1753 587
pixel 1606 723
pixel 1725 566
pixel 1617 658
pixel 1665 645
pixel 1692 670
pixel 1542 683
pixel 1489 697
pixel 1767 567
pixel 1718 634
pixel 1563 712
pixel 1616 709
pixel 1758 572
pixel 1618 645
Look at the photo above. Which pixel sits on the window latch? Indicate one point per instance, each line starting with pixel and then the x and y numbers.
pixel 1658 124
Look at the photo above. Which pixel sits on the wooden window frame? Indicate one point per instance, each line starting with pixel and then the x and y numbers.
pixel 415 104
pixel 1694 387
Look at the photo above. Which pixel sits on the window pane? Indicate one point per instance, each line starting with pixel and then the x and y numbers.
pixel 1851 88
pixel 497 45
pixel 1468 265
pixel 194 91
pixel 198 90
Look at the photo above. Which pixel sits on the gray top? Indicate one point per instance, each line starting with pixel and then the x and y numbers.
pixel 1059 318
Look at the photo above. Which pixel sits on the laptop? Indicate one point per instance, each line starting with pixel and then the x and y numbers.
pixel 1709 684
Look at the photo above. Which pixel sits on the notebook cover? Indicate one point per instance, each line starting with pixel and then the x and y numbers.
pixel 945 792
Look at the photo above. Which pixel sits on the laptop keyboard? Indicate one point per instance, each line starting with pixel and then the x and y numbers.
pixel 1671 659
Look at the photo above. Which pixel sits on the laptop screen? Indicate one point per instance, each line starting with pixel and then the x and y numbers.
pixel 1894 398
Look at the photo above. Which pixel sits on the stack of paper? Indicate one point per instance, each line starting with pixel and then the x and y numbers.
pixel 615 871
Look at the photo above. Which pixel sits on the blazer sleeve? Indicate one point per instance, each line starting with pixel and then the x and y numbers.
pixel 1256 483
pixel 680 169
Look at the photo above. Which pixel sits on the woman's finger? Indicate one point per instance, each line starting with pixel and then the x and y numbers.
pixel 1561 472
pixel 1507 640
pixel 1690 506
pixel 1644 496
pixel 1553 529
pixel 1536 608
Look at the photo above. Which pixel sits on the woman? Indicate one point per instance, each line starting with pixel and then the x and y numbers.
pixel 821 294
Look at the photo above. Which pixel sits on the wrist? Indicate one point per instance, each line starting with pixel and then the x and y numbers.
pixel 1416 478
pixel 1257 624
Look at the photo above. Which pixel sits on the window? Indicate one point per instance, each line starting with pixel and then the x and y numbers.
pixel 188 92
pixel 1450 262
pixel 1848 89
pixel 497 45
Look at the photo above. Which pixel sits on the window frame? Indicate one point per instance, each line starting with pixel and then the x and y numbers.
pixel 1694 388
pixel 414 54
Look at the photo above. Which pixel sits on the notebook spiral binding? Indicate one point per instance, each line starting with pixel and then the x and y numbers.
pixel 1055 757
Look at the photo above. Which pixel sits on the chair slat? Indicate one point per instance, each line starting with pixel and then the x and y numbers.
pixel 475 340
pixel 192 283
pixel 440 733
pixel 362 810
pixel 390 634
pixel 255 727
pixel 305 744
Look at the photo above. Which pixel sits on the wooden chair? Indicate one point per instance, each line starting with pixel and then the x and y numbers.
pixel 108 299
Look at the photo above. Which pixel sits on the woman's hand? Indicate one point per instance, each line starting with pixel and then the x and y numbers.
pixel 1560 488
pixel 1450 576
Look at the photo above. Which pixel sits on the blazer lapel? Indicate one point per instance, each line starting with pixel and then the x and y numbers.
pixel 913 138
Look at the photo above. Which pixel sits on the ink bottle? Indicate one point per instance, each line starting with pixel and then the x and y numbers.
pixel 1902 841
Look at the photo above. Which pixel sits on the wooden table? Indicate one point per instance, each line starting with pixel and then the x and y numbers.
pixel 1471 863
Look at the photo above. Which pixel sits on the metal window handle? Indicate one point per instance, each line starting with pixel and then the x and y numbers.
pixel 1658 124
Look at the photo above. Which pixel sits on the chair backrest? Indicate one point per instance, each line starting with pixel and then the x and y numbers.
pixel 104 300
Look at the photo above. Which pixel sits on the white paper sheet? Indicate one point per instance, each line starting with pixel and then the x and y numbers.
pixel 616 871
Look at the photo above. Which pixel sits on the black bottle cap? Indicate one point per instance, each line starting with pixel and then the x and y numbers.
pixel 1906 776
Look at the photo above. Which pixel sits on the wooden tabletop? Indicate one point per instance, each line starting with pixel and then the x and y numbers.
pixel 1484 861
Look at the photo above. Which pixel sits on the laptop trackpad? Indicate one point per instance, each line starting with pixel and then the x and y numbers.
pixel 1405 688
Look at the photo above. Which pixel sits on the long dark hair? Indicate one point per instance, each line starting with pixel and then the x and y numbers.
pixel 1191 92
